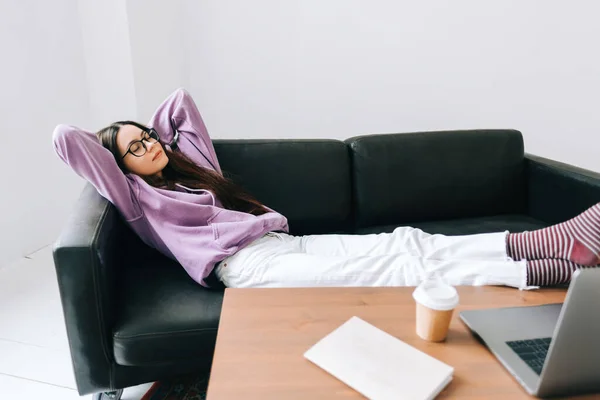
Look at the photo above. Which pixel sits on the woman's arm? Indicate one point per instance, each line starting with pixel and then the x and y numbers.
pixel 179 112
pixel 82 151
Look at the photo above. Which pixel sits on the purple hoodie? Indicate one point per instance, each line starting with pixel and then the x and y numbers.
pixel 188 225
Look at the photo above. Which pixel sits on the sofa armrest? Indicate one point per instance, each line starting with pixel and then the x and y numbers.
pixel 86 258
pixel 559 191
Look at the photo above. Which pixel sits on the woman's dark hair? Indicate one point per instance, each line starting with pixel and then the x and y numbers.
pixel 182 170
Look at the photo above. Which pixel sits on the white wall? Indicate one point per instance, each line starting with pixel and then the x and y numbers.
pixel 77 62
pixel 42 82
pixel 159 61
pixel 134 56
pixel 108 61
pixel 338 68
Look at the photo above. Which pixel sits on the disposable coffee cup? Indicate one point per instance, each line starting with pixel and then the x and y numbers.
pixel 436 302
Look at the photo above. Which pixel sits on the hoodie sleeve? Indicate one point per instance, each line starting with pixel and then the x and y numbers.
pixel 82 151
pixel 179 113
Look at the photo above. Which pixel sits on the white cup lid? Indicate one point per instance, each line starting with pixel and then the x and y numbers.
pixel 436 294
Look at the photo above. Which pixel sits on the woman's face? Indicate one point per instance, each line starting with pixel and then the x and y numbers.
pixel 149 162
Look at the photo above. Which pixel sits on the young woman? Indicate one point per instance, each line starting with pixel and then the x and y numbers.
pixel 167 183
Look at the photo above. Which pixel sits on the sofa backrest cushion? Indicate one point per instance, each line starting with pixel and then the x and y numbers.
pixel 306 180
pixel 402 178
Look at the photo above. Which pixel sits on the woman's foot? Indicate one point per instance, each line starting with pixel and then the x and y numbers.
pixel 576 240
pixel 550 272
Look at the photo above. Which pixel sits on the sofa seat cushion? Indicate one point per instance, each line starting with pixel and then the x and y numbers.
pixel 467 226
pixel 164 316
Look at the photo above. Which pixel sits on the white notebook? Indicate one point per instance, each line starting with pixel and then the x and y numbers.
pixel 378 365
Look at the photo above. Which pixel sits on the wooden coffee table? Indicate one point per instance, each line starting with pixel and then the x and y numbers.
pixel 263 334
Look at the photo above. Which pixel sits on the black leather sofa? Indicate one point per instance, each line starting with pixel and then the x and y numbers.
pixel 134 316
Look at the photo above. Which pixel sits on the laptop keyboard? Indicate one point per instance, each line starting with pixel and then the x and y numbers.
pixel 532 351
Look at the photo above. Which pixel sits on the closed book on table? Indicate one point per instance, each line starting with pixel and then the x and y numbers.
pixel 379 365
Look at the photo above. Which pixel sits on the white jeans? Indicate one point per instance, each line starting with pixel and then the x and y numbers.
pixel 402 258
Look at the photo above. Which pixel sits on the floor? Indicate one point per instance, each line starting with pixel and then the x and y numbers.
pixel 35 361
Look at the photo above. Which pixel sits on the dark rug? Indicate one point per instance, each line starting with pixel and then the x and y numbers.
pixel 180 388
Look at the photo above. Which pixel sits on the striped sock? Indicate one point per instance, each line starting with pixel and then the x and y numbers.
pixel 550 272
pixel 577 240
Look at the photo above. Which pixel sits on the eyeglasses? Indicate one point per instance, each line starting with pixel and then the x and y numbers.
pixel 138 148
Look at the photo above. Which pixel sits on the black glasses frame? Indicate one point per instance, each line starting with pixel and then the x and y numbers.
pixel 152 135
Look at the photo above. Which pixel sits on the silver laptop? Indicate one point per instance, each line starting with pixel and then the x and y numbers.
pixel 552 350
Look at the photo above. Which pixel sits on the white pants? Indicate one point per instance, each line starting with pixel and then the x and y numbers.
pixel 402 258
